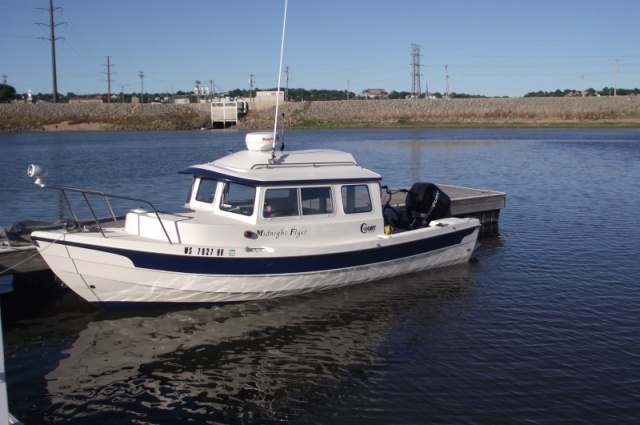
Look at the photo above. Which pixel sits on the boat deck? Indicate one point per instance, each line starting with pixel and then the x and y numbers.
pixel 484 205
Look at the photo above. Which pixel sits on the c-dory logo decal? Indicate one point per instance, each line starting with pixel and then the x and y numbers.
pixel 366 228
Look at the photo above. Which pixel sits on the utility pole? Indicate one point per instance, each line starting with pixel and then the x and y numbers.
pixel 446 77
pixel 4 79
pixel 52 26
pixel 251 83
pixel 286 91
pixel 348 81
pixel 615 80
pixel 416 91
pixel 141 87
pixel 122 86
pixel 109 80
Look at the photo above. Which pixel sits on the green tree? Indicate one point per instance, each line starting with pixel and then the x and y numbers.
pixel 7 93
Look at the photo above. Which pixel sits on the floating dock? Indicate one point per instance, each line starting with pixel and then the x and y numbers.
pixel 485 205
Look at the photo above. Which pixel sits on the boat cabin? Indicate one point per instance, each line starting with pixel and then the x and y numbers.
pixel 256 185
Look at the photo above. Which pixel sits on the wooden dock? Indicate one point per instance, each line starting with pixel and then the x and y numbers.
pixel 484 205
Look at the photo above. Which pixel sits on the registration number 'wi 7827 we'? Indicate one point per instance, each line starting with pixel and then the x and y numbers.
pixel 206 252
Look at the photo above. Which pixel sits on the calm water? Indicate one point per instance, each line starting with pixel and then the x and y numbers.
pixel 544 328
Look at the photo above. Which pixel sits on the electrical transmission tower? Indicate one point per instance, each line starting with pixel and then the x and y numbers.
pixel 52 38
pixel 416 91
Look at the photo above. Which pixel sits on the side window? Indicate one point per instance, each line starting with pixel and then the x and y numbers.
pixel 355 199
pixel 280 203
pixel 316 200
pixel 206 190
pixel 238 198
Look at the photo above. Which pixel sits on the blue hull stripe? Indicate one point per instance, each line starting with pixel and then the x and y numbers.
pixel 257 266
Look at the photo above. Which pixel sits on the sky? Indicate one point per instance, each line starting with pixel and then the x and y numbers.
pixel 490 47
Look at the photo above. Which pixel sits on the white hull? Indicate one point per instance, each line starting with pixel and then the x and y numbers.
pixel 106 277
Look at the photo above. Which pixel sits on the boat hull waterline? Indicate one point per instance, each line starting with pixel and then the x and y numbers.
pixel 111 271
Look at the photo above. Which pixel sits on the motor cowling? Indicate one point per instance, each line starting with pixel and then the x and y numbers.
pixel 426 202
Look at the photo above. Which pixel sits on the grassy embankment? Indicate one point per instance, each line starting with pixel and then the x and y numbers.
pixel 603 112
pixel 617 112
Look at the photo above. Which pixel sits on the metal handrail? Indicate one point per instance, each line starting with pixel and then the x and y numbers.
pixel 106 197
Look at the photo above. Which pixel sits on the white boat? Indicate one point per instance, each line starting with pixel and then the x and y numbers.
pixel 258 224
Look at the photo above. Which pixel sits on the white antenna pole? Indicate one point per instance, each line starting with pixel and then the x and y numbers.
pixel 275 124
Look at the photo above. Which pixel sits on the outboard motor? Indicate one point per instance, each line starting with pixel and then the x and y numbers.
pixel 426 202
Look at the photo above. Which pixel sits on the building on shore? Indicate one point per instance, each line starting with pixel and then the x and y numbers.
pixel 96 99
pixel 374 94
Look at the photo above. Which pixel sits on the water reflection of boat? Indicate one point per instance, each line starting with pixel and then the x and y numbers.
pixel 268 357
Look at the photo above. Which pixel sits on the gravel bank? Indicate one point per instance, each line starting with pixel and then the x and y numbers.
pixel 521 112
pixel 499 112
pixel 79 117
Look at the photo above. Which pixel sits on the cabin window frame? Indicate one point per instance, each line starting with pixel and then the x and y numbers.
pixel 281 202
pixel 206 190
pixel 238 198
pixel 326 204
pixel 354 198
pixel 298 203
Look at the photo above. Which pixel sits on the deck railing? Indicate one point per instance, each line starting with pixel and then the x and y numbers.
pixel 86 193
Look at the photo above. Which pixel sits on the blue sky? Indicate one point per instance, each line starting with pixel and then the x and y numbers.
pixel 491 47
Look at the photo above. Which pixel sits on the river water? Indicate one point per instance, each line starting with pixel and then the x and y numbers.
pixel 543 328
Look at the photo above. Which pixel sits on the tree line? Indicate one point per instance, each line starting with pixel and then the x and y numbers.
pixel 607 91
pixel 8 94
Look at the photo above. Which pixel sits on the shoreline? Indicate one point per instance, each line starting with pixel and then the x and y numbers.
pixel 609 112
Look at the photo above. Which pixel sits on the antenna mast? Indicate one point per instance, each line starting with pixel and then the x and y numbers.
pixel 275 124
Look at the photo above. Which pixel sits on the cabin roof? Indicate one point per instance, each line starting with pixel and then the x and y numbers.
pixel 299 167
